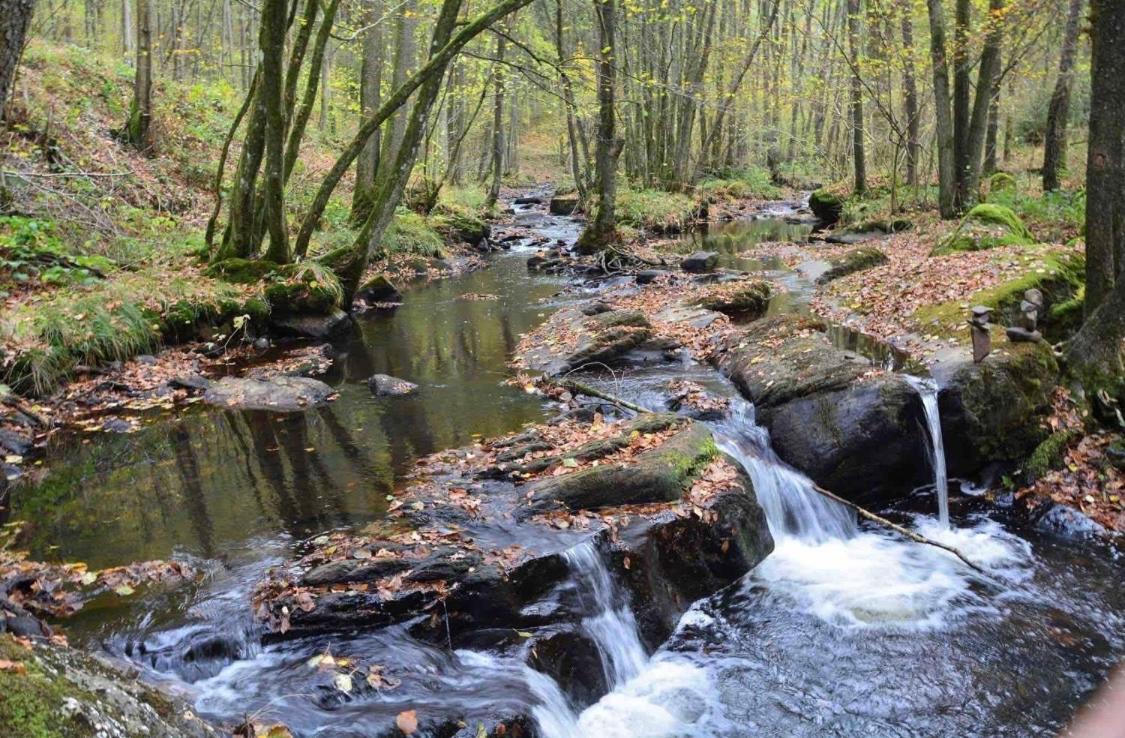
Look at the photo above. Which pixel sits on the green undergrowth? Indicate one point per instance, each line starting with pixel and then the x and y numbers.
pixel 1056 216
pixel 986 226
pixel 739 184
pixel 656 210
pixel 1058 274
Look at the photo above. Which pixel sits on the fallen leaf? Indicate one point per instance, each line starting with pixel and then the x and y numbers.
pixel 407 721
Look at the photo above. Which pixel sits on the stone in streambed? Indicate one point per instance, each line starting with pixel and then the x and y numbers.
pixel 379 289
pixel 853 430
pixel 700 262
pixel 280 394
pixel 322 326
pixel 740 299
pixel 564 204
pixel 384 385
pixel 856 260
pixel 606 338
pixel 572 659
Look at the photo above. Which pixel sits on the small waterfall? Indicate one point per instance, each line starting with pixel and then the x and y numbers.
pixel 928 391
pixel 793 508
pixel 612 625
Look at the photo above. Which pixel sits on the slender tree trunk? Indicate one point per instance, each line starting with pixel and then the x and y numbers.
pixel 910 100
pixel 128 39
pixel 138 129
pixel 1054 144
pixel 497 166
pixel 858 153
pixel 15 17
pixel 404 59
pixel 370 94
pixel 968 186
pixel 990 139
pixel 944 128
pixel 272 43
pixel 603 231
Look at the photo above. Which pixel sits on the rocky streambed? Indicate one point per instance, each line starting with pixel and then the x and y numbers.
pixel 489 557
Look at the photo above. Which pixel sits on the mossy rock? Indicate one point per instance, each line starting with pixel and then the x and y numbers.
pixel 379 289
pixel 1002 181
pixel 461 228
pixel 826 206
pixel 856 260
pixel 748 300
pixel 993 411
pixel 241 271
pixel 64 693
pixel 564 203
pixel 1049 454
pixel 299 288
pixel 986 226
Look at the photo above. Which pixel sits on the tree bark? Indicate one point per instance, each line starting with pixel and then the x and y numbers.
pixel 370 93
pixel 1054 144
pixel 858 154
pixel 271 89
pixel 603 231
pixel 138 129
pixel 944 127
pixel 497 164
pixel 15 17
pixel 910 100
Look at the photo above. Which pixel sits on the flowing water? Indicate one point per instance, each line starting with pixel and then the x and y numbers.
pixel 843 630
pixel 928 391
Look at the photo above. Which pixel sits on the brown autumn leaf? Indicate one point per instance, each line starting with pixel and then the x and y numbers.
pixel 407 721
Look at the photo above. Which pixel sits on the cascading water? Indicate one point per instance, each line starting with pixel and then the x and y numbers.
pixel 928 391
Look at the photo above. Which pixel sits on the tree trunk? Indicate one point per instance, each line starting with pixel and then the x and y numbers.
pixel 497 165
pixel 858 155
pixel 990 162
pixel 943 130
pixel 15 17
pixel 128 39
pixel 603 231
pixel 404 59
pixel 1054 142
pixel 910 101
pixel 138 129
pixel 370 94
pixel 271 89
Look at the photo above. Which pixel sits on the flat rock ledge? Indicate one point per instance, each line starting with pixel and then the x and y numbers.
pixel 282 394
pixel 474 552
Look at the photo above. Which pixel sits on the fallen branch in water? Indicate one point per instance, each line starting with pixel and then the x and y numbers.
pixel 586 389
pixel 916 537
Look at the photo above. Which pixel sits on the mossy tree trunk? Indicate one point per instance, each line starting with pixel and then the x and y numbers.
pixel 272 43
pixel 1054 143
pixel 370 93
pixel 602 232
pixel 1097 353
pixel 138 129
pixel 497 164
pixel 859 159
pixel 15 17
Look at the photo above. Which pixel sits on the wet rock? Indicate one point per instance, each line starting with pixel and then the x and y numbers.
pixel 80 696
pixel 1057 519
pixel 648 276
pixel 856 260
pixel 746 300
pixel 700 261
pixel 328 325
pixel 355 570
pixel 605 338
pixel 463 228
pixel 661 474
pixel 528 200
pixel 564 204
pixel 279 394
pixel 384 385
pixel 852 430
pixel 379 289
pixel 993 411
pixel 190 382
pixel 573 661
pixel 826 206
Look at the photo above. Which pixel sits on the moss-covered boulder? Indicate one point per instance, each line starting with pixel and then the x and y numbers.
pixel 303 288
pixel 241 271
pixel 856 260
pixel 830 413
pixel 379 289
pixel 47 691
pixel 826 206
pixel 1002 182
pixel 986 226
pixel 461 227
pixel 994 410
pixel 745 300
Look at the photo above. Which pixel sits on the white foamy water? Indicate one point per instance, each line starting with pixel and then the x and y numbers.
pixel 928 391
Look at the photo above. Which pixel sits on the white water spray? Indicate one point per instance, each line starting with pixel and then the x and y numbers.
pixel 928 391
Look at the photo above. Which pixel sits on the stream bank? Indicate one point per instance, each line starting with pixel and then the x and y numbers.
pixel 240 492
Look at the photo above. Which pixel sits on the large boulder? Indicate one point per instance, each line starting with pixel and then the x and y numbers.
pixel 994 411
pixel 826 206
pixel 986 226
pixel 283 394
pixel 577 339
pixel 564 204
pixel 322 326
pixel 700 262
pixel 851 428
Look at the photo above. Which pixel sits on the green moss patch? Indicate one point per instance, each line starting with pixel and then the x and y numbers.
pixel 986 226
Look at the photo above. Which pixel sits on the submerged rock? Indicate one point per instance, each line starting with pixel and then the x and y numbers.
pixel 851 428
pixel 280 394
pixel 384 385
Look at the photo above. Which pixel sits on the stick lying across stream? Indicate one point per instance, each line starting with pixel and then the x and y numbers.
pixel 585 389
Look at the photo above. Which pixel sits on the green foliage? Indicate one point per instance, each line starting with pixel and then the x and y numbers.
pixel 411 233
pixel 30 249
pixel 656 210
pixel 1049 454
pixel 1002 181
pixel 1057 215
pixel 752 182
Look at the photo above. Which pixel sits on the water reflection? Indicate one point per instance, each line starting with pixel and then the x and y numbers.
pixel 205 482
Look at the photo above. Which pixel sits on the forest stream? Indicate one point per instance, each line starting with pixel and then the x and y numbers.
pixel 844 629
